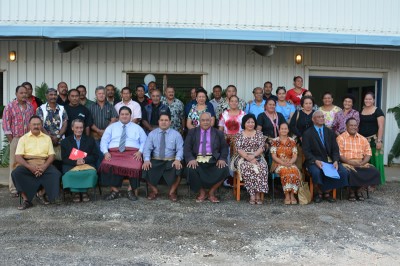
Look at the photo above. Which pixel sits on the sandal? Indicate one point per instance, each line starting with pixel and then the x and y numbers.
pixel 85 197
pixel 360 196
pixel 352 197
pixel 14 194
pixel 113 195
pixel 328 197
pixel 293 202
pixel 213 199
pixel 200 198
pixel 152 196
pixel 252 200
pixel 25 205
pixel 42 199
pixel 77 198
pixel 287 202
pixel 173 197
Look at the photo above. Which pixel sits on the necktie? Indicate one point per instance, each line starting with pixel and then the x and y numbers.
pixel 162 145
pixel 122 141
pixel 321 136
pixel 204 143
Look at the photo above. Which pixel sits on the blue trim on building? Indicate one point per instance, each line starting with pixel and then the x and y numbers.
pixel 107 32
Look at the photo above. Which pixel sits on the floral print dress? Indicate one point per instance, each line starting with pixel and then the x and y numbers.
pixel 255 176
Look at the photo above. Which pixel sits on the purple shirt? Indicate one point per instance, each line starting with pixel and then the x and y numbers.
pixel 339 122
pixel 208 143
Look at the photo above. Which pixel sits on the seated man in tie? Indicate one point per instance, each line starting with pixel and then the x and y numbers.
pixel 79 174
pixel 162 157
pixel 320 146
pixel 206 154
pixel 122 145
pixel 35 155
pixel 355 153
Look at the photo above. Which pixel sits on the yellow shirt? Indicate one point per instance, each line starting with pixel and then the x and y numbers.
pixel 32 145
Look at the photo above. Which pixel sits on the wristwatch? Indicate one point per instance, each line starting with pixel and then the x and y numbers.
pixel 58 136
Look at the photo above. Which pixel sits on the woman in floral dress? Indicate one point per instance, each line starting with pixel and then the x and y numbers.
pixel 329 109
pixel 284 155
pixel 249 159
pixel 193 119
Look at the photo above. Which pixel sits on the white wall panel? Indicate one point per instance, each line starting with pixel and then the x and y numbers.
pixel 340 16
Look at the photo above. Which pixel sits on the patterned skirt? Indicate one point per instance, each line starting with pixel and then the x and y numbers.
pixel 290 178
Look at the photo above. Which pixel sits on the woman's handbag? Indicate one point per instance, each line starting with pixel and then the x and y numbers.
pixel 304 193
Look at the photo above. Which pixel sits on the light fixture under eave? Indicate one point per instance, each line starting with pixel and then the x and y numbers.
pixel 298 59
pixel 12 56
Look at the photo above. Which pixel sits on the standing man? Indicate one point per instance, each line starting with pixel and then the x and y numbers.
pixel 103 114
pixel 122 146
pixel 162 155
pixel 206 154
pixel 35 101
pixel 16 117
pixel 77 111
pixel 151 87
pixel 320 147
pixel 192 101
pixel 140 96
pixel 217 93
pixel 35 155
pixel 110 94
pixel 82 96
pixel 127 101
pixel 153 110
pixel 177 109
pixel 295 94
pixel 268 92
pixel 62 89
pixel 55 120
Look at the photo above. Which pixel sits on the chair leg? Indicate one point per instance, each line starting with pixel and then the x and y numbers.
pixel 237 188
pixel 311 188
pixel 273 189
pixel 334 193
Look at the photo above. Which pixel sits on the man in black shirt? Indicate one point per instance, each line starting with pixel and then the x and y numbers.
pixel 77 111
pixel 152 111
pixel 62 89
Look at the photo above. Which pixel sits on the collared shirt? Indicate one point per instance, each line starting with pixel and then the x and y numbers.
pixel 102 115
pixel 136 137
pixel 176 108
pixel 78 142
pixel 208 143
pixel 173 144
pixel 317 128
pixel 215 103
pixel 285 110
pixel 353 147
pixel 88 103
pixel 339 122
pixel 31 145
pixel 54 120
pixel 16 121
pixel 134 106
pixel 255 109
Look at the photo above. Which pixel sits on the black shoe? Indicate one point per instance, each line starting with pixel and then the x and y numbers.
pixel 329 198
pixel 131 195
pixel 42 199
pixel 25 205
pixel 113 195
pixel 318 198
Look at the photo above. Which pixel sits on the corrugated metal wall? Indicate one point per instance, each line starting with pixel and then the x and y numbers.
pixel 99 63
pixel 343 16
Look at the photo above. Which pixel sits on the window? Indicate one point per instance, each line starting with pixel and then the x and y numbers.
pixel 182 83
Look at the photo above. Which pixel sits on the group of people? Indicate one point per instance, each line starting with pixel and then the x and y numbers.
pixel 78 142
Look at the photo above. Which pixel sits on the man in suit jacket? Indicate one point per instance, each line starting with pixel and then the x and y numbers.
pixel 80 174
pixel 206 154
pixel 320 146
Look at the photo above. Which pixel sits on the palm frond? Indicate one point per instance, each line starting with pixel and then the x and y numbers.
pixel 40 91
pixel 395 150
pixel 5 153
pixel 396 112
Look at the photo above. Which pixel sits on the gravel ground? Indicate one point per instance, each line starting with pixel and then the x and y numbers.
pixel 160 232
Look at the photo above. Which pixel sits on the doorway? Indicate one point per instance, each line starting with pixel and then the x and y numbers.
pixel 340 86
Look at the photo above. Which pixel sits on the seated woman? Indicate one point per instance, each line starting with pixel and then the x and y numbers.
pixel 249 159
pixel 284 155
pixel 80 174
pixel 355 153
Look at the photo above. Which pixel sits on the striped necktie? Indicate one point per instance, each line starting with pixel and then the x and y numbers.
pixel 122 140
pixel 162 145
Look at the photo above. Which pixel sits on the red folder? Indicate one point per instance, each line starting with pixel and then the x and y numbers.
pixel 77 154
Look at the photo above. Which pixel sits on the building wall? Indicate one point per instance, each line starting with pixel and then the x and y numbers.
pixel 101 62
pixel 338 16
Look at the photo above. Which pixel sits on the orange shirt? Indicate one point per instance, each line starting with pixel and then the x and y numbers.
pixel 353 147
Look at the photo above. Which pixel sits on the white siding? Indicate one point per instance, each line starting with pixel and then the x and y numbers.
pixel 99 63
pixel 377 17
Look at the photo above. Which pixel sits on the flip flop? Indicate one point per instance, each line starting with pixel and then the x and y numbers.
pixel 201 199
pixel 213 199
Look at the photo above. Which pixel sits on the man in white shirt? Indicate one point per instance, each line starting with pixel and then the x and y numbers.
pixel 127 101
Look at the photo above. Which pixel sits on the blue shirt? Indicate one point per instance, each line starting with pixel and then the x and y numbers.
pixel 255 109
pixel 78 142
pixel 136 137
pixel 173 144
pixel 285 110
pixel 317 128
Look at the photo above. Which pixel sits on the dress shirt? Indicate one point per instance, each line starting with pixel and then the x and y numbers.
pixel 173 144
pixel 32 145
pixel 255 109
pixel 136 137
pixel 78 142
pixel 134 106
pixel 208 144
pixel 353 147
pixel 16 121
pixel 317 128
